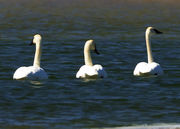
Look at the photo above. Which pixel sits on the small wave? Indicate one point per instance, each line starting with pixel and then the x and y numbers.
pixel 156 126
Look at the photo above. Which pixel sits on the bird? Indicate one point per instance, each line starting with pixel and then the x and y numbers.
pixel 151 68
pixel 34 72
pixel 89 70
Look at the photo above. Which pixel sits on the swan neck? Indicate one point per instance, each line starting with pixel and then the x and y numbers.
pixel 37 56
pixel 148 45
pixel 87 55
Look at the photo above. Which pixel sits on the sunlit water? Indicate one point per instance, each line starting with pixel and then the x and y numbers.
pixel 118 29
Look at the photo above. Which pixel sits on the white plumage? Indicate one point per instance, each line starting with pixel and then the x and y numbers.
pixel 89 70
pixel 31 73
pixel 150 68
pixel 34 72
pixel 95 71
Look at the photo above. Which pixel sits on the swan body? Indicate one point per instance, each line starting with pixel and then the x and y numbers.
pixel 31 72
pixel 89 70
pixel 150 68
pixel 95 71
pixel 34 72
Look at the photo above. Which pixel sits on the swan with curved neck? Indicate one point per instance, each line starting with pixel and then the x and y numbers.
pixel 89 70
pixel 150 68
pixel 34 72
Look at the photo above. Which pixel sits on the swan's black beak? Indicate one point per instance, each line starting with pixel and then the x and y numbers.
pixel 157 31
pixel 95 50
pixel 31 43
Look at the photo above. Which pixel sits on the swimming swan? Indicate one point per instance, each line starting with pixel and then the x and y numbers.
pixel 89 70
pixel 150 68
pixel 34 72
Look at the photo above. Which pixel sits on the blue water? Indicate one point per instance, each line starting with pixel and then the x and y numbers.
pixel 117 27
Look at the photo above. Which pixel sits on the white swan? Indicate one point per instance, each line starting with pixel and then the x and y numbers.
pixel 34 72
pixel 150 68
pixel 89 70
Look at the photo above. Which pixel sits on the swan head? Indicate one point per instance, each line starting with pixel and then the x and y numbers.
pixel 92 46
pixel 37 39
pixel 151 31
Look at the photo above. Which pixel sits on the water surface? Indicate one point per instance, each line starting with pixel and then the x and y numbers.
pixel 118 29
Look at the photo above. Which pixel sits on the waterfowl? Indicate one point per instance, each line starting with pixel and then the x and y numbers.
pixel 34 72
pixel 150 68
pixel 89 70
